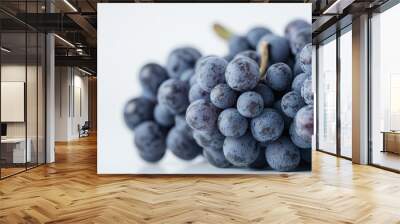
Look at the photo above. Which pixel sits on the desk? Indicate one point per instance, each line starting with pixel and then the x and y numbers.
pixel 16 147
pixel 391 141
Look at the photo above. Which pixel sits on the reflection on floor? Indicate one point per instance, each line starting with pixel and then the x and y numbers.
pixel 386 159
pixel 70 191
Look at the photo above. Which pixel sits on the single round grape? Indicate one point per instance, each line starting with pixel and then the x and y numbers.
pixel 255 34
pixel 241 151
pixel 210 72
pixel 222 96
pixel 298 82
pixel 282 155
pixel 173 94
pixel 196 93
pixel 250 104
pixel 306 155
pixel 300 39
pixel 231 123
pixel 298 140
pixel 294 26
pixel 138 110
pixel 260 162
pixel 291 103
pixel 307 92
pixel 268 126
pixel 266 93
pixel 278 48
pixel 251 54
pixel 209 139
pixel 182 144
pixel 201 115
pixel 163 116
pixel 150 141
pixel 180 60
pixel 238 44
pixel 287 120
pixel 187 75
pixel 242 74
pixel 216 157
pixel 151 76
pixel 304 122
pixel 279 77
pixel 305 58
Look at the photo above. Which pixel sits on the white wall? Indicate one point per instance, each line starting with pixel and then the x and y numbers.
pixel 70 83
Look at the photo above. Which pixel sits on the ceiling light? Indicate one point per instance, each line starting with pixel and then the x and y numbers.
pixel 84 71
pixel 5 50
pixel 338 6
pixel 65 41
pixel 70 5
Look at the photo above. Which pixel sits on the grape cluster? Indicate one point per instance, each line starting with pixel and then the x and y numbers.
pixel 251 108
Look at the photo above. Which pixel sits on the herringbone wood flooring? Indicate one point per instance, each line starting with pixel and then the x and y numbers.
pixel 70 191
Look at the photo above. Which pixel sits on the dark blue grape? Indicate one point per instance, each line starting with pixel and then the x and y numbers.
pixel 282 155
pixel 138 110
pixel 151 76
pixel 210 72
pixel 173 94
pixel 255 34
pixel 180 60
pixel 287 120
pixel 209 139
pixel 300 39
pixel 201 115
pixel 242 74
pixel 182 144
pixel 238 44
pixel 250 104
pixel 268 126
pixel 197 93
pixel 229 57
pixel 294 26
pixel 307 92
pixel 260 162
pixel 279 77
pixel 150 141
pixel 222 96
pixel 305 58
pixel 250 54
pixel 306 155
pixel 304 122
pixel 187 75
pixel 241 151
pixel 216 157
pixel 291 103
pixel 298 82
pixel 278 48
pixel 163 116
pixel 266 93
pixel 231 123
pixel 298 140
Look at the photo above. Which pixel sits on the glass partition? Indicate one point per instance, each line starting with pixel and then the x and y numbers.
pixel 385 89
pixel 327 96
pixel 23 89
pixel 346 93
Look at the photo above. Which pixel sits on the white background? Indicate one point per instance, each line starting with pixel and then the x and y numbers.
pixel 130 35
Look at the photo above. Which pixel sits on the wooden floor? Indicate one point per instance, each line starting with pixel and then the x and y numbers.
pixel 70 191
